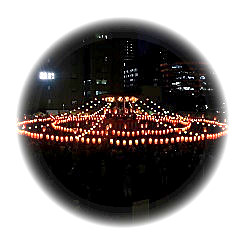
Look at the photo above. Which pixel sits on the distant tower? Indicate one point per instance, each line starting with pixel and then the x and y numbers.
pixel 129 69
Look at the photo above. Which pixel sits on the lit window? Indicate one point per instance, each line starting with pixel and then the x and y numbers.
pixel 46 75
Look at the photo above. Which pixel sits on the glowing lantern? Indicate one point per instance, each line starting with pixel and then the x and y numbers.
pixel 198 137
pixel 47 137
pixel 77 138
pixel 150 140
pixel 61 139
pixel 71 138
pixel 143 141
pixel 124 142
pixel 166 141
pixel 118 142
pixel 136 142
pixel 155 141
pixel 142 132
pixel 52 137
pixel 202 136
pixel 133 133
pixel 99 140
pixel 138 133
pixel 128 133
pixel 93 140
pixel 172 140
pixel 87 140
pixel 82 139
pixel 177 139
pixel 113 132
pixel 190 139
pixel 111 141
pixel 66 138
pixel 123 133
pixel 130 142
pixel 57 138
pixel 41 136
pixel 194 138
pixel 118 133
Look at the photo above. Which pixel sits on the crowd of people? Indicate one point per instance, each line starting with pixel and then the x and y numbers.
pixel 118 176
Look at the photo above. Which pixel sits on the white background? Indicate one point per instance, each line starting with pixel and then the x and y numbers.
pixel 29 216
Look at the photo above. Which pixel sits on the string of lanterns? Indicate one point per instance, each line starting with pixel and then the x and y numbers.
pixel 106 125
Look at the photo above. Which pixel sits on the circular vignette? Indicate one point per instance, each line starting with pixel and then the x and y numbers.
pixel 59 51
